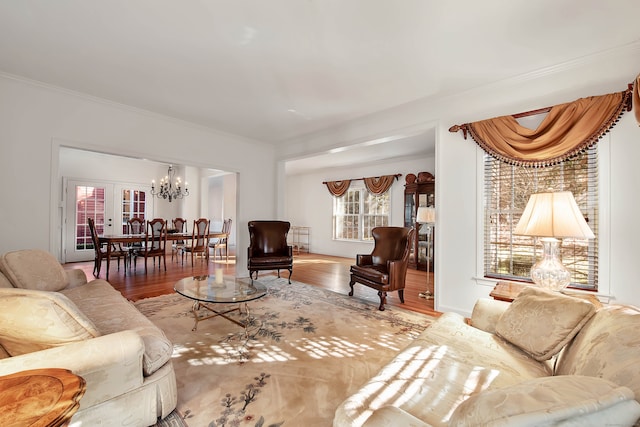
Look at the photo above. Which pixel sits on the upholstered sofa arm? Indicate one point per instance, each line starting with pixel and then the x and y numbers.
pixel 76 277
pixel 567 400
pixel 486 313
pixel 110 364
pixel 392 416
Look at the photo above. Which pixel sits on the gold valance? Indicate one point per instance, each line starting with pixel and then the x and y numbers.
pixel 567 130
pixel 338 188
pixel 375 185
pixel 379 184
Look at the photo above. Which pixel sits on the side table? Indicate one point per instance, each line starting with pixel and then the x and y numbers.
pixel 506 291
pixel 40 397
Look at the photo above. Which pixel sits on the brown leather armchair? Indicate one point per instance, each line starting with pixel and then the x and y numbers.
pixel 268 247
pixel 385 268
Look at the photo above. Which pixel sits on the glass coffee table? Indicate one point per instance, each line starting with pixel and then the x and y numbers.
pixel 206 291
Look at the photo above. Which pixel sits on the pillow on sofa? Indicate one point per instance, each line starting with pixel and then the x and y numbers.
pixel 33 320
pixel 33 269
pixel 548 401
pixel 541 322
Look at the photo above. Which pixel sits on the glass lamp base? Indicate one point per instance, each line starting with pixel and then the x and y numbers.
pixel 549 273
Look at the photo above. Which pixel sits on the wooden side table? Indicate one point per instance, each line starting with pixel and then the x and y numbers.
pixel 40 397
pixel 506 291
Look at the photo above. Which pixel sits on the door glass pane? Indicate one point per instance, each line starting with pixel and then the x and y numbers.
pixel 133 205
pixel 90 203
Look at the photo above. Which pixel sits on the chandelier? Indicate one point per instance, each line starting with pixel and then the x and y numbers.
pixel 167 189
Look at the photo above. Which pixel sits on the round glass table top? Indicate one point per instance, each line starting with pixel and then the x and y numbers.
pixel 226 289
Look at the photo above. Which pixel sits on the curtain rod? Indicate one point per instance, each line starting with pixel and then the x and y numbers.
pixel 463 127
pixel 398 175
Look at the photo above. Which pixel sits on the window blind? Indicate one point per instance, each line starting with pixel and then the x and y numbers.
pixel 507 189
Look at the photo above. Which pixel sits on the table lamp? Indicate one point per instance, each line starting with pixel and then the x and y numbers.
pixel 552 216
pixel 427 215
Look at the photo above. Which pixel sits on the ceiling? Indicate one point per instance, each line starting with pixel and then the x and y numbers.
pixel 277 70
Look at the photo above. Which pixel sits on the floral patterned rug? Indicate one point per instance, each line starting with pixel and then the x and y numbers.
pixel 305 349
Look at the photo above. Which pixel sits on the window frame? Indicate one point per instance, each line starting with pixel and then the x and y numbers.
pixel 601 263
pixel 363 218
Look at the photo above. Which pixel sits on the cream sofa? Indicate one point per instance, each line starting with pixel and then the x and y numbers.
pixel 53 318
pixel 546 359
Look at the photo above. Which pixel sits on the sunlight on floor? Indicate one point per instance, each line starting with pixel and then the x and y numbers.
pixel 317 348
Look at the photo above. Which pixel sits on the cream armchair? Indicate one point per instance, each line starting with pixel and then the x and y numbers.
pixel 52 318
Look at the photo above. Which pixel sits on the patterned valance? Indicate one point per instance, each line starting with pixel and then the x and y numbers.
pixel 375 185
pixel 379 184
pixel 567 130
pixel 338 188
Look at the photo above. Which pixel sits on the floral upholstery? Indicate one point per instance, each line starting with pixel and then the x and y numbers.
pixel 111 313
pixel 35 320
pixel 548 401
pixel 21 269
pixel 445 365
pixel 458 374
pixel 607 347
pixel 542 322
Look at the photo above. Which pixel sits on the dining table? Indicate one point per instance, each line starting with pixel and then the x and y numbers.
pixel 111 239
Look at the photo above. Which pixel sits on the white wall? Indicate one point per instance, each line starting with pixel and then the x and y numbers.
pixel 36 121
pixel 222 203
pixel 309 203
pixel 89 165
pixel 459 177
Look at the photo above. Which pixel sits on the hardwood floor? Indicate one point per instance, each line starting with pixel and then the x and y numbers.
pixel 325 271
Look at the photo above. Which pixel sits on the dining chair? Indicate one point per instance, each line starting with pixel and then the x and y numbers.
pixel 135 225
pixel 155 241
pixel 220 243
pixel 179 226
pixel 199 240
pixel 101 252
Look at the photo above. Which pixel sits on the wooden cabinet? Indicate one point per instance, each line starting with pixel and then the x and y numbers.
pixel 419 191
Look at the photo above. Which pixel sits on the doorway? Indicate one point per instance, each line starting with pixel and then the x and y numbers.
pixel 109 204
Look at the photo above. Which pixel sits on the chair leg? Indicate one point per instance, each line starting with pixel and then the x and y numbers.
pixel 290 273
pixel 383 299
pixel 351 283
pixel 401 295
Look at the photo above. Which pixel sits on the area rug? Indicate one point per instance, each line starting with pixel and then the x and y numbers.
pixel 304 351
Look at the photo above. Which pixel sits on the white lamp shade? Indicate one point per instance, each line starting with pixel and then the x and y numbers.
pixel 553 215
pixel 426 215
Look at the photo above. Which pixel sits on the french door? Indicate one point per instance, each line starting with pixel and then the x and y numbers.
pixel 109 204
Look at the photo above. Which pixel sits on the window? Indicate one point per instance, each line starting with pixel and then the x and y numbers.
pixel 133 205
pixel 357 211
pixel 507 190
